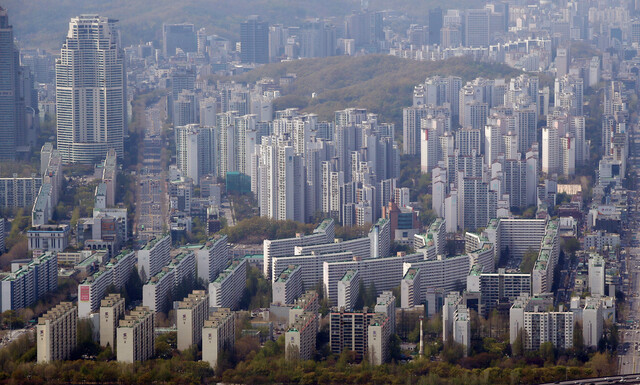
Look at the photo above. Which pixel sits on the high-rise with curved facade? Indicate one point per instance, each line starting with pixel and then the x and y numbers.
pixel 90 91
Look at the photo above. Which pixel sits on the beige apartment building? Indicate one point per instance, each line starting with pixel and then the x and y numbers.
pixel 111 310
pixel 57 333
pixel 136 339
pixel 191 314
pixel 218 333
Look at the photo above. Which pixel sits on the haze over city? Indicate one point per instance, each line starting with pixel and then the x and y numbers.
pixel 392 192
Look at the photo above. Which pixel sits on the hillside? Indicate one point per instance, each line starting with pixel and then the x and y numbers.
pixel 43 23
pixel 380 83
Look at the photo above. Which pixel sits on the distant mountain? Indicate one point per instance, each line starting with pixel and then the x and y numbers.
pixel 43 23
pixel 383 84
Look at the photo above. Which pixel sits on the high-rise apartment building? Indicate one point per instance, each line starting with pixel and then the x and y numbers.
pixel 218 334
pixel 348 290
pixel 536 326
pixel 212 257
pixel 288 285
pixel 191 315
pixel 300 338
pixel 254 40
pixel 111 310
pixel 322 234
pixel 90 91
pixel 153 256
pixel 25 285
pixel 364 332
pixel 136 336
pixel 596 275
pixel 12 106
pixel 56 333
pixel 497 288
pixel 226 290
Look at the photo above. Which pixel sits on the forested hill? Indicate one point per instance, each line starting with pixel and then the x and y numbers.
pixel 382 84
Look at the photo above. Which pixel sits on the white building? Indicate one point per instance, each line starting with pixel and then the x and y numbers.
pixel 300 338
pixel 154 256
pixel 596 275
pixel 111 311
pixel 384 273
pixel 550 150
pixel 535 326
pixel 592 322
pixel 212 257
pixel 386 303
pixel 157 291
pixel 348 290
pixel 79 85
pixel 30 281
pixel 310 265
pixel 324 233
pixel 56 333
pixel 191 315
pixel 136 336
pixel 410 289
pixel 287 287
pixel 92 290
pixel 226 290
pixel 49 237
pixel 218 333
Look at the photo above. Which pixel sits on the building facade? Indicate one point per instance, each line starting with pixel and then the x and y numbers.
pixel 90 107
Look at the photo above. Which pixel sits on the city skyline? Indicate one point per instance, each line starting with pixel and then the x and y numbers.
pixel 364 193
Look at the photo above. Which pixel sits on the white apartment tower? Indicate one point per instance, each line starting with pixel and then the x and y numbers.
pixel 596 275
pixel 550 150
pixel 90 91
pixel 348 290
pixel 153 256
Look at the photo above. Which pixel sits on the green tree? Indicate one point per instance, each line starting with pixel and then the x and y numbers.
pixel 547 352
pixel 518 345
pixel 528 261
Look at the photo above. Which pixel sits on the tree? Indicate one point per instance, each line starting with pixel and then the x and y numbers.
pixel 602 364
pixel 547 352
pixel 518 345
pixel 452 351
pixel 528 261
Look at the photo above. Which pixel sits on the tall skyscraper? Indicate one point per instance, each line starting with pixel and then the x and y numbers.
pixel 254 40
pixel 90 91
pixel 477 27
pixel 12 105
pixel 435 25
pixel 182 36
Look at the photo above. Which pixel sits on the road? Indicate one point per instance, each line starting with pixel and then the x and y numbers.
pixel 152 204
pixel 629 349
